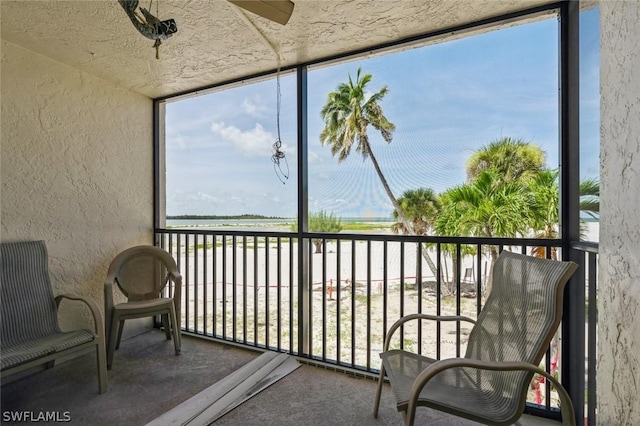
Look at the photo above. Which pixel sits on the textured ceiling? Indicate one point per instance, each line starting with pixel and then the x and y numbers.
pixel 214 43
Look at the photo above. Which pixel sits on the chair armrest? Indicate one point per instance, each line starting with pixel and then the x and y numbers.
pixel 406 318
pixel 93 307
pixel 176 277
pixel 568 414
pixel 177 282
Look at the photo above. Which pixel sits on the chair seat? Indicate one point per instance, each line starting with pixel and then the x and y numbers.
pixel 22 353
pixel 454 390
pixel 142 305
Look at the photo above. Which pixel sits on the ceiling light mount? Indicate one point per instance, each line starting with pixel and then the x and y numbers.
pixel 147 24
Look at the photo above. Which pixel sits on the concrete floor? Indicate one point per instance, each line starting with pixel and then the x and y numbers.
pixel 147 380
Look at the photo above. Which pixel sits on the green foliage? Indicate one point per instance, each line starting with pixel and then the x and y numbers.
pixel 421 207
pixel 324 222
pixel 509 193
pixel 487 207
pixel 545 203
pixel 512 159
pixel 348 112
pixel 590 197
pixel 321 222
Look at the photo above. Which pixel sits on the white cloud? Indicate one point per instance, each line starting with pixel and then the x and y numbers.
pixel 254 107
pixel 256 142
pixel 314 158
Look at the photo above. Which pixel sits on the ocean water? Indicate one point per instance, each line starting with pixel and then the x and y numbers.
pixel 590 229
pixel 232 224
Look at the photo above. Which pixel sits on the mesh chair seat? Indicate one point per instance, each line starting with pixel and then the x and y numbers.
pixel 453 391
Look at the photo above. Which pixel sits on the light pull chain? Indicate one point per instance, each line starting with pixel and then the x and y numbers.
pixel 278 154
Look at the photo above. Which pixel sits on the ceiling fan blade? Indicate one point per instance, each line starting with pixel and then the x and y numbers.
pixel 275 10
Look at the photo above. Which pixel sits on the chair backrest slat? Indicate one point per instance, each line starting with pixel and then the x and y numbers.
pixel 28 307
pixel 519 318
pixel 523 310
pixel 142 272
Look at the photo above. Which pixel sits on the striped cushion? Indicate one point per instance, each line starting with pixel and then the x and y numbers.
pixel 25 352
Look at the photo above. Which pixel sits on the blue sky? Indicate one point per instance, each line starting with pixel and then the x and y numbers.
pixel 447 100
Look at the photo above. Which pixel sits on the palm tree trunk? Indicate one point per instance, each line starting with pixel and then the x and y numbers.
pixel 454 273
pixel 401 215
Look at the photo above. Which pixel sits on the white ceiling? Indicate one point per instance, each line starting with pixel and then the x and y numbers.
pixel 214 44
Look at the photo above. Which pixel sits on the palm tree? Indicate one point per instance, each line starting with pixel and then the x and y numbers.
pixel 545 207
pixel 545 204
pixel 590 197
pixel 513 159
pixel 348 113
pixel 421 206
pixel 450 223
pixel 487 207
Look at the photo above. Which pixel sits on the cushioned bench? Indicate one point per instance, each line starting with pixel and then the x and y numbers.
pixel 29 326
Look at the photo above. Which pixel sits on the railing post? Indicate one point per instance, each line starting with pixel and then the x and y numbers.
pixel 573 324
pixel 303 210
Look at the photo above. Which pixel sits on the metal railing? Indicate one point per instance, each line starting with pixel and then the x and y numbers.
pixel 330 298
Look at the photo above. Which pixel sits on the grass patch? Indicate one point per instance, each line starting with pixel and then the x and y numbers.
pixel 364 226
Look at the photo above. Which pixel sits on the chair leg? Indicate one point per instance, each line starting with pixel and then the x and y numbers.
pixel 113 335
pixel 409 415
pixel 376 404
pixel 165 324
pixel 177 343
pixel 49 364
pixel 119 334
pixel 102 364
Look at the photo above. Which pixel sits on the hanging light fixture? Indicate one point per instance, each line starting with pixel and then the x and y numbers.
pixel 147 24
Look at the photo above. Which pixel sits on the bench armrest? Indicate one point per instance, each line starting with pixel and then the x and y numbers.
pixel 93 307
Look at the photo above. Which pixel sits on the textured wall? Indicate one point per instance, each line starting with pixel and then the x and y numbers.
pixel 76 170
pixel 619 279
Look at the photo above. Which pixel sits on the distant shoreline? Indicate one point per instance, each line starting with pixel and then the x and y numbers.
pixel 262 217
pixel 226 217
